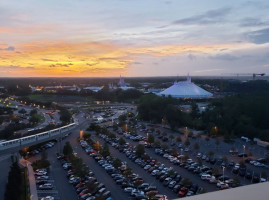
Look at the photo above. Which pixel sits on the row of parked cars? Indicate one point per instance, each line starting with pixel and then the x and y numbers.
pixel 132 183
pixel 81 185
pixel 41 148
pixel 43 182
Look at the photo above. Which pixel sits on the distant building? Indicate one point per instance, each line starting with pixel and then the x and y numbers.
pixel 186 89
pixel 122 85
pixel 93 88
pixel 154 91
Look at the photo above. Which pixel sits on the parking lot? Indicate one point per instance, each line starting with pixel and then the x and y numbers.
pixel 230 172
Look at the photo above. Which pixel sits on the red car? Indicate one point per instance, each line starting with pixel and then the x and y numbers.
pixel 183 191
pixel 79 185
pixel 85 191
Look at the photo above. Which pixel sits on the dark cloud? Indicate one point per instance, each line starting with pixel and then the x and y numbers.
pixel 259 37
pixel 60 65
pixel 50 60
pixel 227 57
pixel 92 64
pixel 15 67
pixel 253 22
pixel 192 57
pixel 138 63
pixel 209 17
pixel 10 48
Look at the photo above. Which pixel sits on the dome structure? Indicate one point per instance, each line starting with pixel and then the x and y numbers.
pixel 186 89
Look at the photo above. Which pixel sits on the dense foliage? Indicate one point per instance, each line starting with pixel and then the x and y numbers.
pixel 13 187
pixel 246 115
pixel 157 109
pixel 238 115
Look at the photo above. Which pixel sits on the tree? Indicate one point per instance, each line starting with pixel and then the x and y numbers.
pixel 164 134
pixel 211 154
pixel 86 136
pixel 196 146
pixel 185 158
pixel 112 136
pixel 179 139
pixel 67 150
pixel 159 132
pixel 242 164
pixel 122 141
pixel 187 142
pixel 33 112
pixel 13 186
pixel 194 110
pixel 115 126
pixel 157 143
pixel 22 111
pixel 97 146
pixel 128 172
pixel 174 152
pixel 105 151
pixel 225 159
pixel 171 137
pixel 44 155
pixel 164 146
pixel 199 161
pixel 190 134
pixel 215 171
pixel 186 182
pixel 117 163
pixel 264 174
pixel 150 139
pixel 140 150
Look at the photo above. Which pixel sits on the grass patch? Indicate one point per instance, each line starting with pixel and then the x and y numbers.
pixel 40 117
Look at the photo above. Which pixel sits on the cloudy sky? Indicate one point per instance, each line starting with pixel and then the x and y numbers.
pixel 133 37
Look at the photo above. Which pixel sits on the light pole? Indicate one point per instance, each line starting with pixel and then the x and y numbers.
pixel 244 147
pixel 223 169
pixel 181 154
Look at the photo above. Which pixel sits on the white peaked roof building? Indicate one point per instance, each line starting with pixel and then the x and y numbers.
pixel 186 89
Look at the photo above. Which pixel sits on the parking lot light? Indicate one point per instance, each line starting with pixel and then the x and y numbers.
pixel 181 154
pixel 244 147
pixel 223 169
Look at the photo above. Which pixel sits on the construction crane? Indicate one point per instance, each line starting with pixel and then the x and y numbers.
pixel 246 74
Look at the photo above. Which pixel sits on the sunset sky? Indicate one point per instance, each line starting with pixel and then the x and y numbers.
pixel 89 38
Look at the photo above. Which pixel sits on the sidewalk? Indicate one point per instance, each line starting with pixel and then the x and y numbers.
pixel 31 177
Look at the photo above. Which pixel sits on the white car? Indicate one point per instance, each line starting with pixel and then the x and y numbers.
pixel 206 177
pixel 46 186
pixel 147 167
pixel 42 178
pixel 154 172
pixel 47 198
pixel 128 189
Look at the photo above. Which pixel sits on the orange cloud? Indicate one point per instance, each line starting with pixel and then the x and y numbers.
pixel 62 59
